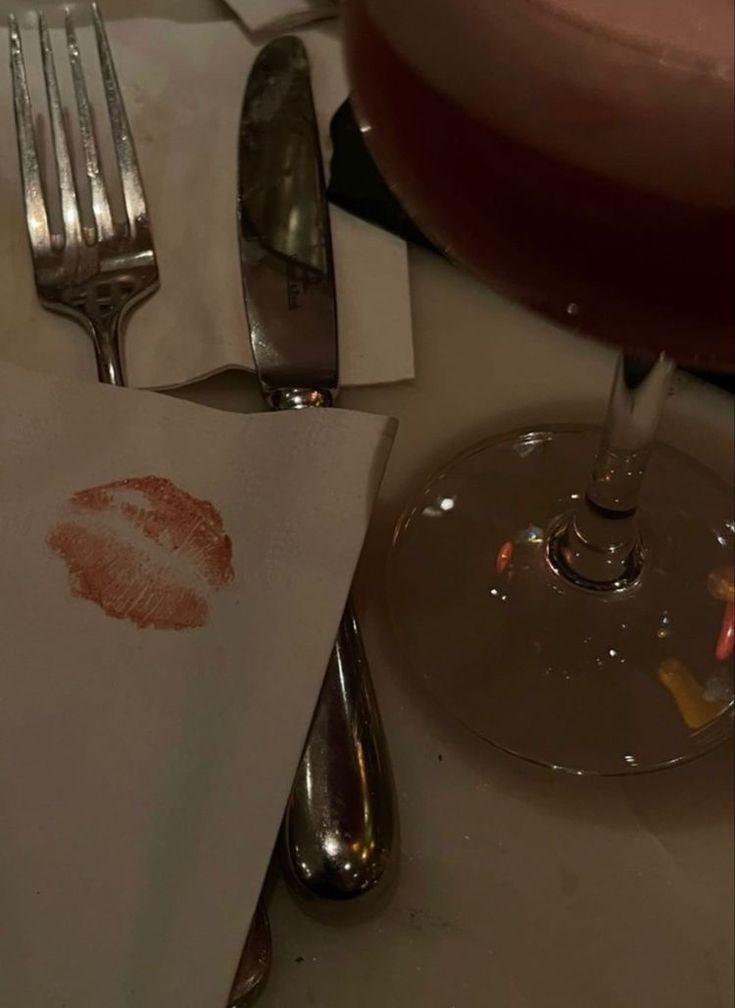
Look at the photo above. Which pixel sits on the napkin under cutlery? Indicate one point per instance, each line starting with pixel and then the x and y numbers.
pixel 281 15
pixel 183 73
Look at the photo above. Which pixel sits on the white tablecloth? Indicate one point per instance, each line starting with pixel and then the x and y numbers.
pixel 517 888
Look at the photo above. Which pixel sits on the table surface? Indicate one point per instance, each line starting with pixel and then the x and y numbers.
pixel 515 886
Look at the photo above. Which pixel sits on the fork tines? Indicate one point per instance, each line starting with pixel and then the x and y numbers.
pixel 37 215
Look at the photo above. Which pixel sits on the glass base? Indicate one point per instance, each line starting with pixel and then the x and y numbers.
pixel 584 681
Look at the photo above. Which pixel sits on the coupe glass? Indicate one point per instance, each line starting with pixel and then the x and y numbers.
pixel 557 605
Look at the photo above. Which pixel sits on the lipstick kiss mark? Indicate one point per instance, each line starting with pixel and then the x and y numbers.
pixel 144 550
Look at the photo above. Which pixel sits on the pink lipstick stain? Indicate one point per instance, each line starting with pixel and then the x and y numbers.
pixel 144 550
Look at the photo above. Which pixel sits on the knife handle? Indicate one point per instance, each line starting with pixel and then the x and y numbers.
pixel 338 826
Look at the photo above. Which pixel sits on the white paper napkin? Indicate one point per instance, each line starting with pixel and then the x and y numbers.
pixel 183 71
pixel 278 15
pixel 144 768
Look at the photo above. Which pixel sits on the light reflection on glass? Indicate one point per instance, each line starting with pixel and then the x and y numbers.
pixel 331 845
pixel 664 628
pixel 439 507
pixel 695 709
pixel 726 639
pixel 503 557
pixel 533 535
pixel 721 584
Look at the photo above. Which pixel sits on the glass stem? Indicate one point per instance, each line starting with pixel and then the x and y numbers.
pixel 598 545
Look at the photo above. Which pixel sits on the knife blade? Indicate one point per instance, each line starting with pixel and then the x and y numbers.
pixel 339 822
pixel 285 244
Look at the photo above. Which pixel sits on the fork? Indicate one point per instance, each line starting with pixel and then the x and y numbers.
pixel 97 273
pixel 94 273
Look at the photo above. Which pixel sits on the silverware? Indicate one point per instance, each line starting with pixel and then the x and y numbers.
pixel 97 271
pixel 338 827
pixel 93 271
pixel 254 962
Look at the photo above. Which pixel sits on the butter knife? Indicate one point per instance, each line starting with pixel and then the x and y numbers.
pixel 338 826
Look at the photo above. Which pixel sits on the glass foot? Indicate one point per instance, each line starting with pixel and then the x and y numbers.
pixel 585 681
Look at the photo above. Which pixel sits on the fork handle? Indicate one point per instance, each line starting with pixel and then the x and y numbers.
pixel 105 333
pixel 338 827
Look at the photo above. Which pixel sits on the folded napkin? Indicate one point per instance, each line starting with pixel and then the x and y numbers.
pixel 172 580
pixel 183 74
pixel 279 15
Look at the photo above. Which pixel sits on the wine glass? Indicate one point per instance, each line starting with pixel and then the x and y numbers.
pixel 559 606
